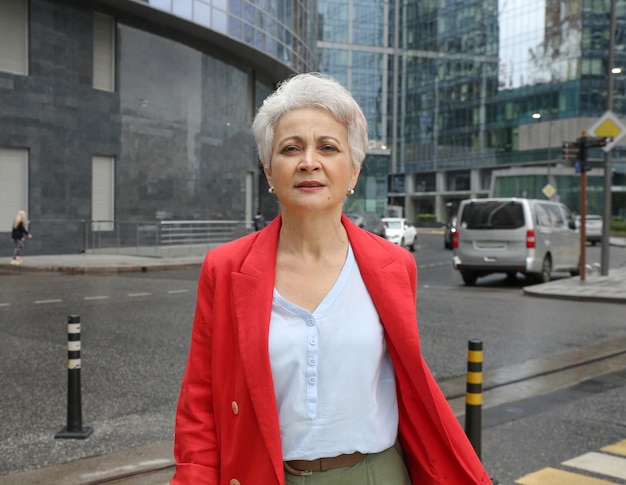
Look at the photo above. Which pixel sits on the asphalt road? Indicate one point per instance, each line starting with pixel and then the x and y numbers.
pixel 135 331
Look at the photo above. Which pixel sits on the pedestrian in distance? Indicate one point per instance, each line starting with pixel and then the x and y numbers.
pixel 259 221
pixel 305 364
pixel 18 234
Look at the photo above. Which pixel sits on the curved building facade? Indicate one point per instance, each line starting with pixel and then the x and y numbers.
pixel 125 111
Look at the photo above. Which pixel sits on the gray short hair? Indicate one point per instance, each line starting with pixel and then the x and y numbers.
pixel 311 90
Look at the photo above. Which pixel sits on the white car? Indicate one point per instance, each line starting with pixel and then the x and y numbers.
pixel 593 228
pixel 401 232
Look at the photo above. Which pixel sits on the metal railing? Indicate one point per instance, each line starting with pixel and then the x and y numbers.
pixel 160 238
pixel 146 238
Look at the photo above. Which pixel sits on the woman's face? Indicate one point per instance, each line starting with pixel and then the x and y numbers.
pixel 311 167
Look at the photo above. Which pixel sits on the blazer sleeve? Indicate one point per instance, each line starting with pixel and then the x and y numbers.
pixel 195 438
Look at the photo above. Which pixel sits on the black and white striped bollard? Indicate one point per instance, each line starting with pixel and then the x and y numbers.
pixel 74 428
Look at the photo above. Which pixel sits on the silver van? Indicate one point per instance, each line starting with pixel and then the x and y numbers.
pixel 511 235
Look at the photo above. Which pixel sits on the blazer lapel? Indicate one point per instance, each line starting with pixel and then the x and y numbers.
pixel 252 294
pixel 388 282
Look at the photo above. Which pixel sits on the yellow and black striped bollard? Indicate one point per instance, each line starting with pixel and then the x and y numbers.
pixel 474 394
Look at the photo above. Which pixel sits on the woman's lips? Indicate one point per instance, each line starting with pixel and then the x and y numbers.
pixel 309 185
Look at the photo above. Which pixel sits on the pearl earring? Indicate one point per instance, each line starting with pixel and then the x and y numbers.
pixel 350 191
pixel 271 190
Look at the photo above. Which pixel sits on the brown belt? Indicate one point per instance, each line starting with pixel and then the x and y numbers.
pixel 307 467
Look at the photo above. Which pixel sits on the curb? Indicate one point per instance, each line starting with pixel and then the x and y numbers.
pixel 110 269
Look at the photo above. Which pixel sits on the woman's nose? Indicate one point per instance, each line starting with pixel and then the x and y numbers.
pixel 308 161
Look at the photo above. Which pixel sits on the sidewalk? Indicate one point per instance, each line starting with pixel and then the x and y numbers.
pixel 102 263
pixel 610 288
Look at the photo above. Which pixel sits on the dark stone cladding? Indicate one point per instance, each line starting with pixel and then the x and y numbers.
pixel 55 113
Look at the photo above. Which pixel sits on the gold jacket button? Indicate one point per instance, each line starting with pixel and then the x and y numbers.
pixel 235 407
pixel 234 481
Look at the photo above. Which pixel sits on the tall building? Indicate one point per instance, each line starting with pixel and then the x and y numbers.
pixel 477 96
pixel 125 112
pixel 355 46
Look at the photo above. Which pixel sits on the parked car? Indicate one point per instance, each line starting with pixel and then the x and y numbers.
pixel 370 221
pixel 510 235
pixel 401 232
pixel 593 228
pixel 448 233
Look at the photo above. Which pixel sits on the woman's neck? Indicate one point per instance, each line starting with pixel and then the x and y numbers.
pixel 312 237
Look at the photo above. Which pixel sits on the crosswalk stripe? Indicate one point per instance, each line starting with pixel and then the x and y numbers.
pixel 552 476
pixel 618 448
pixel 611 466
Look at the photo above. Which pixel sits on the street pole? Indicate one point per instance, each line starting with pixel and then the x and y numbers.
pixel 583 218
pixel 608 171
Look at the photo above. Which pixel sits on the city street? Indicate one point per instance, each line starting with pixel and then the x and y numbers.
pixel 135 331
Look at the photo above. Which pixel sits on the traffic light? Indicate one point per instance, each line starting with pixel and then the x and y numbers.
pixel 570 151
pixel 582 153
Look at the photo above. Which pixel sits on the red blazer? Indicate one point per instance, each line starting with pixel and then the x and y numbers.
pixel 227 429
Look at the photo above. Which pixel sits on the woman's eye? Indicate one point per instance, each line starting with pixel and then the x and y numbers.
pixel 289 149
pixel 328 148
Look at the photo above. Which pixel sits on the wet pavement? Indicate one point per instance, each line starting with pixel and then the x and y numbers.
pixel 154 464
pixel 595 287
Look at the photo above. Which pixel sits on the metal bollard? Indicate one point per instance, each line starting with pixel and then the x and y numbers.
pixel 74 428
pixel 474 394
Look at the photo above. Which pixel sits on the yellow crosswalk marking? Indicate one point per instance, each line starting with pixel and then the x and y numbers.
pixel 552 476
pixel 611 466
pixel 618 448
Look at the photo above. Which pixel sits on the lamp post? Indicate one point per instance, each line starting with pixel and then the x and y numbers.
pixel 538 116
pixel 608 171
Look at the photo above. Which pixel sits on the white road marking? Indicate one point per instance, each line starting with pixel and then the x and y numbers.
pixel 603 464
pixel 42 302
pixel 178 291
pixel 132 295
pixel 102 297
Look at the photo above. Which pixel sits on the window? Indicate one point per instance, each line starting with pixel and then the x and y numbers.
pixel 493 215
pixel 13 184
pixel 541 216
pixel 14 36
pixel 102 193
pixel 556 217
pixel 103 52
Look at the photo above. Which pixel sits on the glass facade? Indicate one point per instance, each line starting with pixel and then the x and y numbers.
pixel 354 47
pixel 478 85
pixel 183 138
pixel 282 29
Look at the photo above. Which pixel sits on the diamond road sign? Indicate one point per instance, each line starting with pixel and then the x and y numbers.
pixel 549 191
pixel 608 126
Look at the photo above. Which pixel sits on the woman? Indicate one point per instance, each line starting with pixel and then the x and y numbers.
pixel 18 234
pixel 305 363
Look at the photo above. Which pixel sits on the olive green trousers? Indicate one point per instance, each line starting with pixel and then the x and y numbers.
pixel 384 468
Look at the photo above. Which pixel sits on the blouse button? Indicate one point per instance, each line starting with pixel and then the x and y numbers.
pixel 235 407
pixel 234 481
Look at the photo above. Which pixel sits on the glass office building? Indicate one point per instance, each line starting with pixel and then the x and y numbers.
pixel 457 91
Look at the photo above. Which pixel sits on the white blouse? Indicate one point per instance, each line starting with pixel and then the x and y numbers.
pixel 333 376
